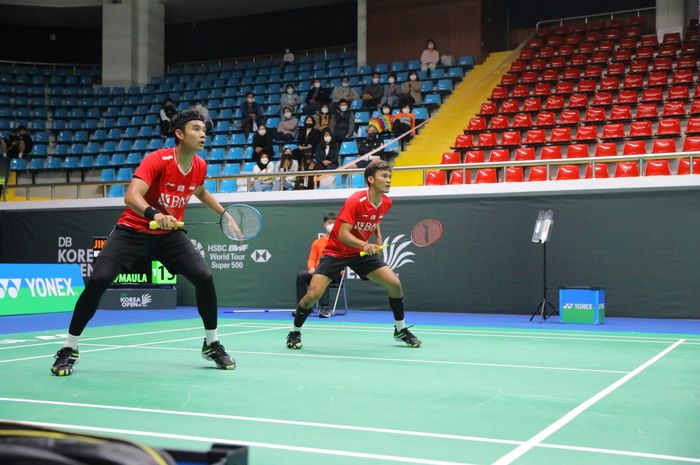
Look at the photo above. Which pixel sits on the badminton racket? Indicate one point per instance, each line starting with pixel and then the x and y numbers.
pixel 238 222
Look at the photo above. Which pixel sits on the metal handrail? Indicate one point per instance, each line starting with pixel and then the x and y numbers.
pixel 597 15
pixel 65 65
pixel 424 168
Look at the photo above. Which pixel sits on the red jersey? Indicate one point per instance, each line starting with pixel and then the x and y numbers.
pixel 169 188
pixel 364 218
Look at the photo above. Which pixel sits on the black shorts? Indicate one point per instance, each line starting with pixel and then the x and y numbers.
pixel 125 246
pixel 332 266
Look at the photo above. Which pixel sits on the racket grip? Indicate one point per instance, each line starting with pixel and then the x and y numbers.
pixel 155 225
pixel 363 253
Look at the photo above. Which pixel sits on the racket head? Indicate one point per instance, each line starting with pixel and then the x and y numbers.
pixel 426 232
pixel 248 219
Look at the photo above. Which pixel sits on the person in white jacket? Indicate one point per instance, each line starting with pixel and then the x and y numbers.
pixel 287 164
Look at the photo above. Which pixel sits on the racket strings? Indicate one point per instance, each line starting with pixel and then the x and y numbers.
pixel 248 221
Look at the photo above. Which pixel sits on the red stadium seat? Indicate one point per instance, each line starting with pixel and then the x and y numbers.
pixel 554 102
pixel 684 166
pixel 477 124
pixel 510 138
pixel 695 107
pixel 487 139
pixel 662 64
pixel 538 64
pixel 464 140
pixel 657 168
pixel 564 87
pixel 688 62
pixel 678 93
pixel 499 93
pixel 602 99
pixel 647 110
pixel 521 91
pixel 594 71
pixel 616 70
pixel 644 53
pixel 508 80
pixel 550 75
pixel 510 106
pixel 627 96
pixel 579 60
pixel 626 44
pixel 560 135
pixel 498 122
pixel 578 101
pixel 499 155
pixel 634 147
pixel 652 94
pixel 674 108
pixel 682 76
pixel 449 158
pixel 620 56
pixel 435 178
pixel 584 133
pixel 620 112
pixel 577 151
pixel 522 120
pixel 532 104
pixel 537 173
pixel 518 67
pixel 606 45
pixel 550 152
pixel 569 117
pixel 542 89
pixel 514 174
pixel 649 41
pixel 693 126
pixel 567 172
pixel 458 177
pixel 594 115
pixel 613 131
pixel 609 83
pixel 488 108
pixel 597 58
pixel 545 118
pixel 524 153
pixel 474 156
pixel 556 63
pixel 586 85
pixel 606 149
pixel 672 38
pixel 639 67
pixel 657 78
pixel 571 73
pixel 669 127
pixel 486 176
pixel 667 51
pixel 601 171
pixel 627 169
pixel 633 81
pixel 664 146
pixel 640 129
pixel 535 136
pixel 691 144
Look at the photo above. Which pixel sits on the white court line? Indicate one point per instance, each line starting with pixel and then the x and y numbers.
pixel 139 345
pixel 355 428
pixel 312 450
pixel 100 338
pixel 519 451
pixel 403 360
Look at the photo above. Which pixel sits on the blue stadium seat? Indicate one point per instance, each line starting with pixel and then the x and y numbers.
pixel 231 169
pixel 216 154
pixel 65 136
pixel 116 190
pixel 40 150
pixel 77 149
pixel 362 117
pixel 61 149
pixel 213 169
pixel 102 160
pixel 437 73
pixel 107 175
pixel 145 132
pixel 432 99
pixel 140 144
pixel 426 86
pixel 228 186
pixel 222 126
pixel 37 164
pixel 124 174
pixel 455 72
pixel 210 185
pixel 18 164
pixel 444 85
pixel 71 163
pixel 124 146
pixel 248 167
pixel 118 159
pixel 134 158
pixel 53 163
pixel 235 153
pixel 238 139
pixel 421 113
pixel 467 61
pixel 220 140
pixel 348 148
pixel 155 144
pixel 109 147
pixel 86 161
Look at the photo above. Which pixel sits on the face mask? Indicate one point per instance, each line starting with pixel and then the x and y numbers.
pixel 431 46
pixel 345 84
pixel 317 84
pixel 286 51
pixel 372 135
pixel 324 110
pixel 413 77
pixel 250 100
pixel 375 80
pixel 327 139
pixel 309 125
pixel 287 115
pixel 391 80
pixel 264 161
pixel 262 132
pixel 343 107
pixel 386 110
pixel 329 228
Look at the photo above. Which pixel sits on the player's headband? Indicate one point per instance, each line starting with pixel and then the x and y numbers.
pixel 181 119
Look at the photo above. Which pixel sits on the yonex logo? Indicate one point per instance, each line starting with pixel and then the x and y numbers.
pixel 10 287
pixel 198 247
pixel 568 306
pixel 261 256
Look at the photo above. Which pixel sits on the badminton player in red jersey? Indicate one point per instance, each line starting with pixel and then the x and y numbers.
pixel 161 187
pixel 357 222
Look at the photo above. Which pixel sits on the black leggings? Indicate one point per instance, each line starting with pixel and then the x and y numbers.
pixel 106 269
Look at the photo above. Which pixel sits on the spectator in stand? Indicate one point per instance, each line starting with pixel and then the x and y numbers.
pixel 430 57
pixel 410 90
pixel 372 93
pixel 342 122
pixel 287 129
pixel 309 137
pixel 290 98
pixel 204 111
pixel 316 97
pixel 18 144
pixel 392 91
pixel 382 122
pixel 327 152
pixel 402 123
pixel 343 92
pixel 263 166
pixel 287 164
pixel 306 182
pixel 287 58
pixel 252 114
pixel 323 117
pixel 167 112
pixel 367 145
pixel 315 254
pixel 262 142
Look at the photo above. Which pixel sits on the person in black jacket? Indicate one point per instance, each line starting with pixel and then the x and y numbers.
pixel 316 97
pixel 308 139
pixel 368 144
pixel 342 122
pixel 327 151
pixel 252 114
pixel 262 142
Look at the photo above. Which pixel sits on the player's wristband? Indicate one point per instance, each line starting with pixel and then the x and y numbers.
pixel 149 213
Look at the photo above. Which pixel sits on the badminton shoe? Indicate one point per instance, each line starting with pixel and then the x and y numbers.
pixel 325 312
pixel 217 354
pixel 408 337
pixel 294 340
pixel 65 359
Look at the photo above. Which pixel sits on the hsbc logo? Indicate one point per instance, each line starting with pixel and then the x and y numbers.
pixel 261 256
pixel 10 287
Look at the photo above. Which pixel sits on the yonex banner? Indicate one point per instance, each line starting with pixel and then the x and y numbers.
pixel 34 288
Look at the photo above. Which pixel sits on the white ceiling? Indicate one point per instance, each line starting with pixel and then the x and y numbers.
pixel 87 13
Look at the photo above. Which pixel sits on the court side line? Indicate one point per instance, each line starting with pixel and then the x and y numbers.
pixel 405 360
pixel 312 450
pixel 138 345
pixel 360 428
pixel 519 451
pixel 675 458
pixel 117 336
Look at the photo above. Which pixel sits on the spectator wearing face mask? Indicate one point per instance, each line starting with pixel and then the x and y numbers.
pixel 367 145
pixel 252 114
pixel 403 122
pixel 290 98
pixel 167 112
pixel 323 117
pixel 372 93
pixel 410 91
pixel 262 142
pixel 392 91
pixel 287 129
pixel 430 56
pixel 309 137
pixel 316 97
pixel 288 57
pixel 263 166
pixel 343 92
pixel 306 182
pixel 287 164
pixel 342 122
pixel 326 155
pixel 382 123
